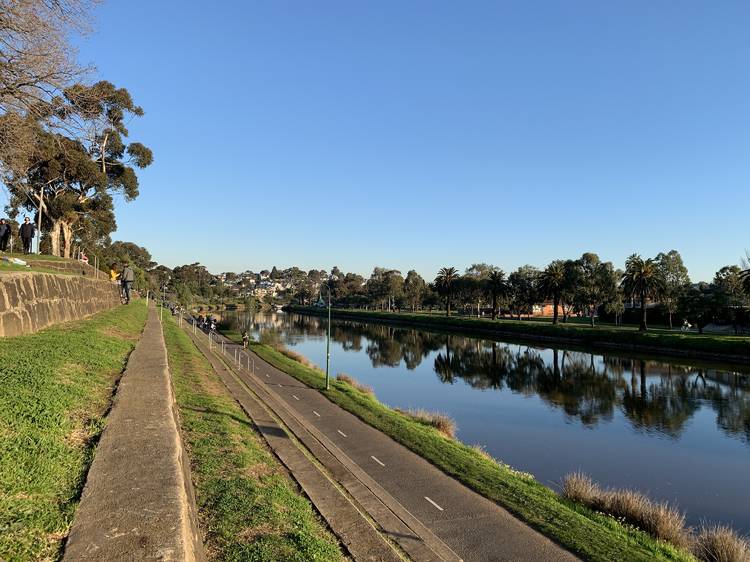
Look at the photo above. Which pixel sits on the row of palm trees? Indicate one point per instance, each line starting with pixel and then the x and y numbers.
pixel 641 280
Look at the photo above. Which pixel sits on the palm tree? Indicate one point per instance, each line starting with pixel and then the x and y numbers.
pixel 642 278
pixel 444 283
pixel 497 286
pixel 552 282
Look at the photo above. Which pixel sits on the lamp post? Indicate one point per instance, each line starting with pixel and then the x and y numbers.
pixel 328 333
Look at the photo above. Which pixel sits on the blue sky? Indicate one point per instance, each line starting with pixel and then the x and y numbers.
pixel 426 134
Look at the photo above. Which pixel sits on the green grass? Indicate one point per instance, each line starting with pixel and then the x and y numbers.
pixel 55 389
pixel 591 535
pixel 625 337
pixel 248 506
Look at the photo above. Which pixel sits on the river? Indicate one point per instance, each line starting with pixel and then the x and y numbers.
pixel 677 432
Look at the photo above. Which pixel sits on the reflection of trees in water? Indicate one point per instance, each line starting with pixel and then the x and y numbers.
pixel 654 396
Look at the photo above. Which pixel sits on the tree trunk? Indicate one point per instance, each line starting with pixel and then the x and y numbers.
pixel 54 238
pixel 591 315
pixel 494 306
pixel 643 327
pixel 67 231
pixel 670 319
pixel 555 302
pixel 448 305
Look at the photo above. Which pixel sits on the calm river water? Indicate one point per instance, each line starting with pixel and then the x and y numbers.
pixel 677 432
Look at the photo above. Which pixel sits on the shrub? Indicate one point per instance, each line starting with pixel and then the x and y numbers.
pixel 717 543
pixel 578 487
pixel 440 421
pixel 659 519
pixel 351 381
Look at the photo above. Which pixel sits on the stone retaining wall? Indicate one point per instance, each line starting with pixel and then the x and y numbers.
pixel 31 301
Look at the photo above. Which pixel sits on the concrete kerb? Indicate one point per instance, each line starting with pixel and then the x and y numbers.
pixel 138 501
pixel 355 531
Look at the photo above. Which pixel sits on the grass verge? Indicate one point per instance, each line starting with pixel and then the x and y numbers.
pixel 708 345
pixel 248 507
pixel 55 389
pixel 592 535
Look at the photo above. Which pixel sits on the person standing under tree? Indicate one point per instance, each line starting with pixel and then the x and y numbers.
pixel 27 232
pixel 126 279
pixel 4 235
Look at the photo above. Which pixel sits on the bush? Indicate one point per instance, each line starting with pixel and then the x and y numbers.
pixel 351 381
pixel 440 421
pixel 717 543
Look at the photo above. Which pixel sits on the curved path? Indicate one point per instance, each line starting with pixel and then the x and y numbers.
pixel 453 520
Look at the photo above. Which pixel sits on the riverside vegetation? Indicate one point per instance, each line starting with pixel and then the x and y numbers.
pixel 681 343
pixel 248 506
pixel 56 388
pixel 591 534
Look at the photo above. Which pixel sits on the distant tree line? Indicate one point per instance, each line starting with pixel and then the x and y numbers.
pixel 585 287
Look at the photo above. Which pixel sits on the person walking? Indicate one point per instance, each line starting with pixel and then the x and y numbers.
pixel 126 280
pixel 27 232
pixel 245 339
pixel 4 235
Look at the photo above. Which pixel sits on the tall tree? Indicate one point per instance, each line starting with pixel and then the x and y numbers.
pixel 552 284
pixel 498 287
pixel 74 179
pixel 446 278
pixel 676 280
pixel 414 289
pixel 596 284
pixel 523 289
pixel 642 279
pixel 475 286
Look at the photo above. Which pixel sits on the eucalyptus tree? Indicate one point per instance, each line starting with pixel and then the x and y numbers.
pixel 642 279
pixel 552 284
pixel 414 289
pixel 73 177
pixel 444 283
pixel 596 284
pixel 524 292
pixel 475 283
pixel 498 287
pixel 676 280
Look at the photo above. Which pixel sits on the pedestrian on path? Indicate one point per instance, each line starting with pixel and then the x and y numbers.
pixel 245 339
pixel 126 280
pixel 4 235
pixel 27 232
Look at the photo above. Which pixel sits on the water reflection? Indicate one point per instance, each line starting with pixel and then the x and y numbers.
pixel 654 396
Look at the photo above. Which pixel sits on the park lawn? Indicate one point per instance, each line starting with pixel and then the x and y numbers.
pixel 626 336
pixel 248 506
pixel 56 388
pixel 591 535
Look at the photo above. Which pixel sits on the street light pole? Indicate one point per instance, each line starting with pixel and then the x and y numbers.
pixel 328 340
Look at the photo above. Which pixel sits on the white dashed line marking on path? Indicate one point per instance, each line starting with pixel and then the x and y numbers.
pixel 269 376
pixel 295 396
pixel 377 460
pixel 316 413
pixel 433 503
pixel 341 432
pixel 279 386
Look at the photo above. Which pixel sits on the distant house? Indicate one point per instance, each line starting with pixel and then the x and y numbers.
pixel 546 309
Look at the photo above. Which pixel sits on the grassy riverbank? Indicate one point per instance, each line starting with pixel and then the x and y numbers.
pixel 709 346
pixel 589 534
pixel 248 506
pixel 55 390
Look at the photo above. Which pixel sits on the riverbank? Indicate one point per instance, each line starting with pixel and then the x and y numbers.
pixel 729 349
pixel 249 508
pixel 591 535
pixel 56 388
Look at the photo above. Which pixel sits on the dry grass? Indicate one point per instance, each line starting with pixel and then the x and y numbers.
pixel 659 519
pixel 294 356
pixel 717 543
pixel 343 377
pixel 440 421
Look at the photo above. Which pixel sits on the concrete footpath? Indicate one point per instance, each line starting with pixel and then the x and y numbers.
pixel 138 501
pixel 427 513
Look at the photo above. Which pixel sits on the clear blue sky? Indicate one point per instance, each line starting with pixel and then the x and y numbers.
pixel 416 134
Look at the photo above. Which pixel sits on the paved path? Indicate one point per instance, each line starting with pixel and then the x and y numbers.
pixel 454 521
pixel 138 500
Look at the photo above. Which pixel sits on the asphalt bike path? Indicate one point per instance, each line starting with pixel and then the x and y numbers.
pixel 455 521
